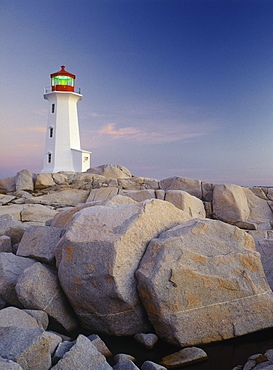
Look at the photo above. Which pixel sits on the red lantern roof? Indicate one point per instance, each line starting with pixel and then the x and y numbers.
pixel 62 72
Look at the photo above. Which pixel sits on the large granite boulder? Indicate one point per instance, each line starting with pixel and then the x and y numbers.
pixel 64 219
pixel 97 259
pixel 241 207
pixel 7 185
pixel 230 204
pixel 44 180
pixel 36 213
pixel 265 248
pixel 82 355
pixel 9 365
pixel 203 281
pixel 102 193
pixel 24 181
pixel 67 197
pixel 12 316
pixel 11 267
pixel 260 211
pixel 139 195
pixel 191 186
pixel 40 242
pixel 38 288
pixel 13 210
pixel 40 316
pixel 11 227
pixel 30 348
pixel 5 244
pixel 111 171
pixel 188 203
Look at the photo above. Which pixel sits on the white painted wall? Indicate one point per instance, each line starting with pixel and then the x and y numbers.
pixel 81 160
pixel 66 135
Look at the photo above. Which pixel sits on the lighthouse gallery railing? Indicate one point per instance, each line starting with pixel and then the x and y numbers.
pixel 48 89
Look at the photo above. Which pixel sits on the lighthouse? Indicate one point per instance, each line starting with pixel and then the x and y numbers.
pixel 63 149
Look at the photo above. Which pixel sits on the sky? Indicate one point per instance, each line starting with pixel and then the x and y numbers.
pixel 170 87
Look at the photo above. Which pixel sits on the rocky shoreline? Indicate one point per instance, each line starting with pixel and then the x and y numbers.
pixel 178 259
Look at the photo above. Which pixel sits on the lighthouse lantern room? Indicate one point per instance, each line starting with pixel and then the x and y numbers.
pixel 62 149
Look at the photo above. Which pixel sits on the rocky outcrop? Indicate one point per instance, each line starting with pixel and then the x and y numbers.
pixel 134 255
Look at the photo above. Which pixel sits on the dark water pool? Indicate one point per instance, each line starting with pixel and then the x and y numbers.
pixel 221 355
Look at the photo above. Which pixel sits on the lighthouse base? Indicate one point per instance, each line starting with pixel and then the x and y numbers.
pixel 81 160
pixel 76 161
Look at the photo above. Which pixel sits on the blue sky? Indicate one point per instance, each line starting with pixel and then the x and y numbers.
pixel 170 87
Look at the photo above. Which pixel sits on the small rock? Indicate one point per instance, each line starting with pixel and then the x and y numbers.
pixel 4 200
pixel 186 202
pixel 39 288
pixel 36 213
pixel 249 365
pixel 44 180
pixel 101 193
pixel 149 365
pixel 111 171
pixel 148 340
pixel 40 316
pixel 7 184
pixel 269 355
pixel 184 357
pixel 5 244
pixel 264 366
pixel 125 365
pixel 258 358
pixel 11 267
pixel 11 227
pixel 81 355
pixel 122 357
pixel 140 195
pixel 12 316
pixel 24 181
pixel 9 365
pixel 62 348
pixel 30 348
pixel 100 345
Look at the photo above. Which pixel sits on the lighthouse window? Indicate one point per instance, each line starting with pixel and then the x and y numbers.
pixel 50 131
pixel 49 157
pixel 62 80
pixel 52 108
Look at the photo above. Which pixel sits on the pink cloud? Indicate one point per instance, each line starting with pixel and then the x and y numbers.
pixel 163 135
pixel 110 130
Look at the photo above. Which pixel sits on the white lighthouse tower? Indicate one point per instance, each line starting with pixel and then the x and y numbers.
pixel 63 149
